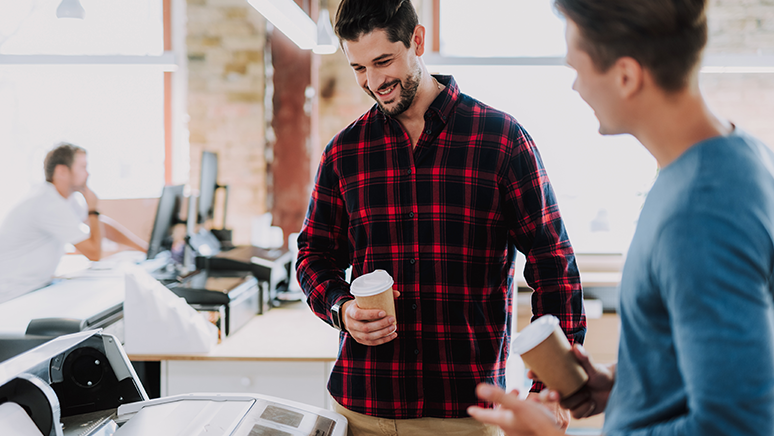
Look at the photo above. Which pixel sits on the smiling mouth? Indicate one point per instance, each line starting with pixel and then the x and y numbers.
pixel 386 91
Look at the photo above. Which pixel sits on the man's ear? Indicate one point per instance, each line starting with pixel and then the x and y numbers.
pixel 630 76
pixel 418 38
pixel 60 171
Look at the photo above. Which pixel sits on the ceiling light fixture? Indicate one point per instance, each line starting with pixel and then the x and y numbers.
pixel 290 19
pixel 70 9
pixel 327 43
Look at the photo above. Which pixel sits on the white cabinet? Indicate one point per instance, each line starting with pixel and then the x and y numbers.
pixel 286 353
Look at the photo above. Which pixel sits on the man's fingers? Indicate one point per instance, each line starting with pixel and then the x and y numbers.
pixel 493 394
pixel 500 417
pixel 591 409
pixel 575 400
pixel 369 326
pixel 584 410
pixel 584 359
pixel 382 325
pixel 371 341
pixel 549 396
pixel 373 333
pixel 365 315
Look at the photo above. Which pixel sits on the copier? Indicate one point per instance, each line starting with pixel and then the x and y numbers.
pixel 271 267
pixel 67 306
pixel 83 384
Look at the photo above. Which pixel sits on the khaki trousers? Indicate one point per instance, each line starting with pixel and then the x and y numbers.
pixel 364 425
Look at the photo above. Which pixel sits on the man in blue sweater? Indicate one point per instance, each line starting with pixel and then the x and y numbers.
pixel 696 355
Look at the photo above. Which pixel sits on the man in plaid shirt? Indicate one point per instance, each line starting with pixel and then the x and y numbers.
pixel 440 191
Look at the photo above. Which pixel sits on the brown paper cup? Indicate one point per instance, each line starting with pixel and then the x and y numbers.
pixel 547 352
pixel 374 291
pixel 383 300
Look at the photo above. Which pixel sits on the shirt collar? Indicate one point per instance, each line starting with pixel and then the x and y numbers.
pixel 444 103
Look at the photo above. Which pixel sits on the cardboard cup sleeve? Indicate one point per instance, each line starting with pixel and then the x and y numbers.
pixel 546 351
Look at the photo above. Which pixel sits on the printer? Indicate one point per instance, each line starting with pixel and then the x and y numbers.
pixel 67 306
pixel 83 384
pixel 269 266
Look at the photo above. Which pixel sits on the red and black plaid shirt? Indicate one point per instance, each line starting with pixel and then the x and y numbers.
pixel 444 219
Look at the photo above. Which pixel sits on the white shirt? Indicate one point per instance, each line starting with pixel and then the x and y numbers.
pixel 33 237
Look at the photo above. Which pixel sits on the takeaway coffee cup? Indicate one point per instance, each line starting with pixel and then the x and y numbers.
pixel 547 352
pixel 374 291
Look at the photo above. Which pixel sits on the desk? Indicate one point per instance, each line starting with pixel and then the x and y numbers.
pixel 596 270
pixel 593 279
pixel 268 355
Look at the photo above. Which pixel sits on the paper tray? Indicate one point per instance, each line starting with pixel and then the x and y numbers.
pixel 227 414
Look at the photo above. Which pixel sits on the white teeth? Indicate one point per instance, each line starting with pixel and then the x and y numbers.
pixel 387 91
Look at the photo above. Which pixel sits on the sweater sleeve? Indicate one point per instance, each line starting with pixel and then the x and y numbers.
pixel 714 272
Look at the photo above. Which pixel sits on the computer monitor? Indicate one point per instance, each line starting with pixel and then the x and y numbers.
pixel 167 216
pixel 208 184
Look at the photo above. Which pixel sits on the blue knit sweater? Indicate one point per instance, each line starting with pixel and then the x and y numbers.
pixel 697 317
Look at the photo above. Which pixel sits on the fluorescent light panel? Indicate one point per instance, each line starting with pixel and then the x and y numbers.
pixel 290 19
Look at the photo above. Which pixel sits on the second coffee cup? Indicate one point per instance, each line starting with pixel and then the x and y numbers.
pixel 374 291
pixel 547 352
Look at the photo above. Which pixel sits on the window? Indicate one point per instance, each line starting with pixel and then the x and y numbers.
pixel 500 28
pixel 601 181
pixel 98 82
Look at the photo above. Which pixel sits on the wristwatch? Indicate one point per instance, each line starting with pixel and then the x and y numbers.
pixel 336 317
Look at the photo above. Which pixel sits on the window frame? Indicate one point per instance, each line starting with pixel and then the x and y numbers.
pixel 711 63
pixel 172 63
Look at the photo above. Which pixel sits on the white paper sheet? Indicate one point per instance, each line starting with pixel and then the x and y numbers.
pixel 156 321
pixel 15 422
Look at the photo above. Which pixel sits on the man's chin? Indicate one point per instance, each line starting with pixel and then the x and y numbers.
pixel 394 111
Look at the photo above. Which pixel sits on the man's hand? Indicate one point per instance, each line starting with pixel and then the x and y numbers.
pixel 550 399
pixel 368 326
pixel 515 416
pixel 91 198
pixel 592 398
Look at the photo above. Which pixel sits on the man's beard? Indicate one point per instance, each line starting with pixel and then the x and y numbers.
pixel 408 91
pixel 77 188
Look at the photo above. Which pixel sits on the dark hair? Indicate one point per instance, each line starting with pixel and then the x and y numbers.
pixel 355 18
pixel 62 154
pixel 665 36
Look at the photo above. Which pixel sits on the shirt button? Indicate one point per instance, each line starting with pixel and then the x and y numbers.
pixel 414 306
pixel 408 172
pixel 412 261
pixel 416 351
pixel 411 214
pixel 428 131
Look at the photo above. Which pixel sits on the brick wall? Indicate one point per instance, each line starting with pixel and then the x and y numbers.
pixel 341 100
pixel 225 42
pixel 742 27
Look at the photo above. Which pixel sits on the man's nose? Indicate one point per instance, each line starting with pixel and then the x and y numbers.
pixel 374 80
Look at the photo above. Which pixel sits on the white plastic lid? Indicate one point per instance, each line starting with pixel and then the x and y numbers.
pixel 534 334
pixel 372 283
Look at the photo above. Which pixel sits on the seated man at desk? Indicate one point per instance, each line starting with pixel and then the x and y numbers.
pixel 34 233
